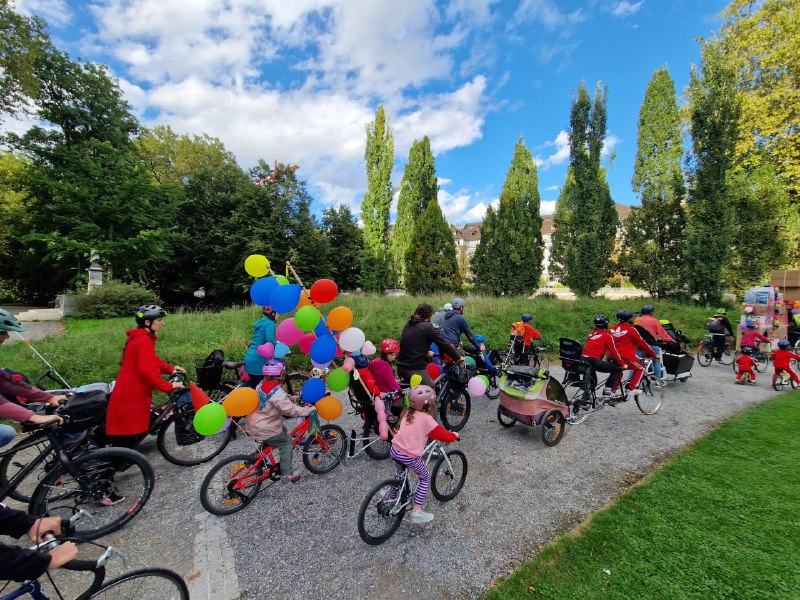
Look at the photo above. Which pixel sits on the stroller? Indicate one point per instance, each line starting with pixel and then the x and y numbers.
pixel 677 361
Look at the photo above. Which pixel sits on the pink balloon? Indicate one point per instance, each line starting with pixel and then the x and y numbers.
pixel 476 386
pixel 288 333
pixel 348 365
pixel 306 341
pixel 380 411
pixel 339 352
pixel 368 348
pixel 267 350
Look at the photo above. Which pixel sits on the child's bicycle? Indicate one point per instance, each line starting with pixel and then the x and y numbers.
pixel 380 514
pixel 761 358
pixel 782 379
pixel 140 584
pixel 233 483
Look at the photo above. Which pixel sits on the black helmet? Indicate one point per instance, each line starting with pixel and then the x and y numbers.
pixel 747 350
pixel 149 312
pixel 648 309
pixel 623 316
pixel 784 344
pixel 526 317
pixel 601 321
pixel 9 322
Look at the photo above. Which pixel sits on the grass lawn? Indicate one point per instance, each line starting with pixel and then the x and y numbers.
pixel 721 520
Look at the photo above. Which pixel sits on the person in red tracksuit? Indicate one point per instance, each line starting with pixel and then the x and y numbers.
pixel 745 363
pixel 782 359
pixel 599 343
pixel 627 340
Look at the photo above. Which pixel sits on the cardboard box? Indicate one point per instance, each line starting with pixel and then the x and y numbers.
pixel 786 279
pixel 791 293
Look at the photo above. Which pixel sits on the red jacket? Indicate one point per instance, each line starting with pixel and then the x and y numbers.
pixel 600 342
pixel 745 361
pixel 781 359
pixel 627 339
pixel 141 371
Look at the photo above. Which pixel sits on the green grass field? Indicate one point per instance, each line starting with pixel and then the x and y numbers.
pixel 721 520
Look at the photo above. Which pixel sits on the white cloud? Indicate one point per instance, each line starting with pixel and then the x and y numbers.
pixel 552 188
pixel 559 156
pixel 55 12
pixel 609 144
pixel 626 9
pixel 548 14
pixel 547 207
pixel 463 206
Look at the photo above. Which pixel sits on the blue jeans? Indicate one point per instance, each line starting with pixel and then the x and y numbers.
pixel 7 434
pixel 657 369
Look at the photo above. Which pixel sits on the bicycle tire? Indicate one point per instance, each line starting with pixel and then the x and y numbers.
pixel 105 472
pixel 377 450
pixel 579 416
pixel 778 382
pixel 455 414
pixel 762 362
pixel 493 390
pixel 188 455
pixel 12 464
pixel 144 584
pixel 553 425
pixel 728 356
pixel 504 420
pixel 231 492
pixel 652 396
pixel 377 509
pixel 442 477
pixel 704 357
pixel 323 452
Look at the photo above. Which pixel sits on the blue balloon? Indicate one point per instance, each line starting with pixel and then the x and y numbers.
pixel 313 390
pixel 323 350
pixel 281 350
pixel 321 328
pixel 284 298
pixel 261 290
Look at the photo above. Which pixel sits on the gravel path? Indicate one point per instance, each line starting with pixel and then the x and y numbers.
pixel 301 541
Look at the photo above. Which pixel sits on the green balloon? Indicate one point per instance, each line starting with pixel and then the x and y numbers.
pixel 485 379
pixel 281 280
pixel 210 419
pixel 338 380
pixel 469 360
pixel 307 318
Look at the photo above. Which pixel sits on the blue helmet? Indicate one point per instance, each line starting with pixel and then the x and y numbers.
pixel 526 317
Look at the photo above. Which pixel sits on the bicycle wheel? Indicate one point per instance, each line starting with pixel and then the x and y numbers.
pixel 181 445
pixel 728 356
pixel 493 390
pixel 12 464
pixel 553 425
pixel 778 382
pixel 762 361
pixel 380 516
pixel 579 402
pixel 145 584
pixel 503 419
pixel 323 452
pixel 375 447
pixel 295 381
pixel 704 354
pixel 448 479
pixel 231 484
pixel 455 409
pixel 652 396
pixel 112 486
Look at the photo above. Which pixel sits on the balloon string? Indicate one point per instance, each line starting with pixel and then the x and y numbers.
pixel 289 267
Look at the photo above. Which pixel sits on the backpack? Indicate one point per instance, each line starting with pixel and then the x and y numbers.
pixel 715 325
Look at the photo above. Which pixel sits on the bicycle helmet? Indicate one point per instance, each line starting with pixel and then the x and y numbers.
pixel 273 368
pixel 601 321
pixel 648 309
pixel 526 317
pixel 747 350
pixel 721 311
pixel 362 362
pixel 624 316
pixel 390 347
pixel 750 325
pixel 784 344
pixel 421 396
pixel 9 322
pixel 458 303
pixel 149 312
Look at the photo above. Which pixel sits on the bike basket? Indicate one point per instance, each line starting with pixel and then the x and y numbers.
pixel 461 373
pixel 209 370
pixel 83 411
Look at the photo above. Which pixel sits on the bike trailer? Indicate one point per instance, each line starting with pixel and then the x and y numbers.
pixel 526 394
pixel 677 364
pixel 84 411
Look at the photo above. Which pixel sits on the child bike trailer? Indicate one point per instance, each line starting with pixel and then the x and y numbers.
pixel 530 396
pixel 677 361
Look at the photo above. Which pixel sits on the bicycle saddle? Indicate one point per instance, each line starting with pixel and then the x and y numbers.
pixel 232 365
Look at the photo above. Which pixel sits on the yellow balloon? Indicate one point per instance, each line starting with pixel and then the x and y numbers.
pixel 329 408
pixel 240 402
pixel 256 265
pixel 416 380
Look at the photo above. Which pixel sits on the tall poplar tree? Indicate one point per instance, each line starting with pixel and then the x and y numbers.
pixel 586 226
pixel 508 259
pixel 655 232
pixel 417 190
pixel 379 155
pixel 431 264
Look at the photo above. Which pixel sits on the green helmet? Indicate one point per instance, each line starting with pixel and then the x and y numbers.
pixel 721 311
pixel 9 322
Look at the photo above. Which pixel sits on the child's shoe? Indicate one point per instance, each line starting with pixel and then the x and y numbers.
pixel 418 518
pixel 390 418
pixel 293 478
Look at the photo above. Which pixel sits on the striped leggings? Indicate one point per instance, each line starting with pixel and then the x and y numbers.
pixel 419 467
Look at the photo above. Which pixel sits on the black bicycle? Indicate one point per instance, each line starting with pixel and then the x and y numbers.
pixel 455 403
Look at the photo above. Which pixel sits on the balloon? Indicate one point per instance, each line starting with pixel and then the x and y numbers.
pixel 323 291
pixel 284 298
pixel 321 328
pixel 368 348
pixel 266 350
pixel 256 265
pixel 476 386
pixel 469 360
pixel 306 318
pixel 340 318
pixel 210 419
pixel 433 370
pixel 338 379
pixel 380 411
pixel 261 290
pixel 282 280
pixel 796 311
pixel 323 349
pixel 348 364
pixel 416 380
pixel 305 342
pixel 317 365
pixel 199 397
pixel 748 309
pixel 281 350
pixel 351 339
pixel 304 300
pixel 484 379
pixel 288 333
pixel 329 408
pixel 313 390
pixel 240 402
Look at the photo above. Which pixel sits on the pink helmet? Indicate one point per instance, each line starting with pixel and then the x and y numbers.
pixel 421 396
pixel 390 347
pixel 273 368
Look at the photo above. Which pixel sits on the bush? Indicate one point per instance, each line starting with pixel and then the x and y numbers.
pixel 113 299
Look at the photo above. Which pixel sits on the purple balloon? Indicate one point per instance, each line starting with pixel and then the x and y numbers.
pixel 319 365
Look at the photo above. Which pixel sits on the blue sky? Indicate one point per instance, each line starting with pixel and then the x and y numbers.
pixel 297 81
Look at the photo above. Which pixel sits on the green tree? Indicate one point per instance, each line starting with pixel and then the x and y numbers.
pixel 654 233
pixel 714 113
pixel 418 188
pixel 586 224
pixel 12 212
pixel 379 156
pixel 346 241
pixel 508 259
pixel 431 264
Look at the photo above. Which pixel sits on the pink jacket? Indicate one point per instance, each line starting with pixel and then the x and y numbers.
pixel 412 438
pixel 384 375
pixel 265 423
pixel 654 327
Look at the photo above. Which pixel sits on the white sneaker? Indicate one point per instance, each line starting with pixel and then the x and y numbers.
pixel 418 518
pixel 635 393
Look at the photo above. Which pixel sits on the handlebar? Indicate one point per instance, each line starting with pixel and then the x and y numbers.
pixel 50 541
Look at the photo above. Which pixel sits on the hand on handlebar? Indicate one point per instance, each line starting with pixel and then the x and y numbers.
pixel 44 419
pixel 177 385
pixel 62 554
pixel 177 369
pixel 42 527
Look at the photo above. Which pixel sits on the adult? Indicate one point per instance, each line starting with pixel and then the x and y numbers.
pixel 652 331
pixel 263 332
pixel 628 341
pixel 454 325
pixel 438 317
pixel 415 341
pixel 599 344
pixel 719 327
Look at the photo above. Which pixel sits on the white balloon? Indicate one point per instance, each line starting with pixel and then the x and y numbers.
pixel 368 348
pixel 351 339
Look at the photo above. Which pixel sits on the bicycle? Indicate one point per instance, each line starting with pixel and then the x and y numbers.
pixel 232 483
pixel 139 584
pixel 380 514
pixel 782 379
pixel 761 358
pixel 218 377
pixel 705 351
pixel 455 403
pixel 371 443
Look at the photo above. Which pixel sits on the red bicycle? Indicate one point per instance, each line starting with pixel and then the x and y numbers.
pixel 233 483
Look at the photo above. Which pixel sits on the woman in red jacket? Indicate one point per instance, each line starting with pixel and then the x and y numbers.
pixel 141 371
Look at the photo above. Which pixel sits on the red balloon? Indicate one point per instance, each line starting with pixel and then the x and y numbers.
pixel 323 291
pixel 433 370
pixel 305 343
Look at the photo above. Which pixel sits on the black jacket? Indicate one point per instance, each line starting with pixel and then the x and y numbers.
pixel 18 564
pixel 416 340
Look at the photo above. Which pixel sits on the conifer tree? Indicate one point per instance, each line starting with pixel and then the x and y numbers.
pixel 510 260
pixel 379 155
pixel 431 264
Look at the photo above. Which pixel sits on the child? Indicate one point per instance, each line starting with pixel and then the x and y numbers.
pixel 522 333
pixel 416 426
pixel 265 424
pixel 782 358
pixel 751 337
pixel 745 364
pixel 381 369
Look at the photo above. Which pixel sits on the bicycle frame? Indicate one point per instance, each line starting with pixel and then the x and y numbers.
pixel 406 488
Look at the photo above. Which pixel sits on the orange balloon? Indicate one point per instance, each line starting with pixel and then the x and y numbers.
pixel 304 300
pixel 329 408
pixel 240 402
pixel 340 318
